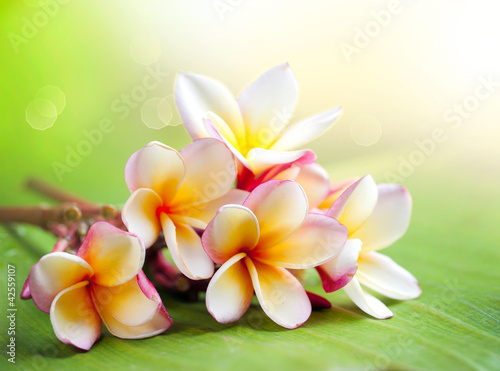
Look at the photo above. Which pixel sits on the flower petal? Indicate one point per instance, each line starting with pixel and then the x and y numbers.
pixel 355 204
pixel 210 172
pixel 318 302
pixel 230 291
pixel 126 302
pixel 319 239
pixel 390 218
pixel 366 302
pixel 336 189
pixel 267 104
pixel 380 273
pixel 54 273
pixel 306 130
pixel 233 230
pixel 280 294
pixel 155 166
pixel 139 215
pixel 186 250
pixel 116 256
pixel 74 317
pixel 195 95
pixel 221 127
pixel 337 272
pixel 260 159
pixel 280 207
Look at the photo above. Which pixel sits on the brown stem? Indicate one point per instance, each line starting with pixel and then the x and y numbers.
pixel 55 193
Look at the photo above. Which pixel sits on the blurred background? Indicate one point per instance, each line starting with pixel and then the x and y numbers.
pixel 419 83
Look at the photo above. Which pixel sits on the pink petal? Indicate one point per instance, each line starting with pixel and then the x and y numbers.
pixel 26 291
pixel 116 256
pixel 356 204
pixel 230 291
pixel 74 317
pixel 318 302
pixel 156 166
pixel 54 273
pixel 234 229
pixel 306 130
pixel 186 250
pixel 210 172
pixel 139 215
pixel 380 273
pixel 337 272
pixel 280 294
pixel 318 240
pixel 336 189
pixel 195 95
pixel 261 159
pixel 267 104
pixel 366 302
pixel 280 207
pixel 389 220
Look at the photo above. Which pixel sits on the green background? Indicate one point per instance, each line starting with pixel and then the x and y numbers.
pixel 452 246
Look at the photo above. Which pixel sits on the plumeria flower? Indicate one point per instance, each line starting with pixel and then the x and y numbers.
pixel 256 242
pixel 376 217
pixel 253 125
pixel 104 282
pixel 179 192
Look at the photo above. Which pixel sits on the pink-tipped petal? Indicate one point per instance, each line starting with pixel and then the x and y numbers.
pixel 186 250
pixel 210 172
pixel 336 189
pixel 318 302
pixel 306 130
pixel 230 291
pixel 280 294
pixel 156 166
pixel 356 204
pixel 389 220
pixel 139 215
pixel 260 159
pixel 267 104
pixel 234 229
pixel 74 317
pixel 195 95
pixel 314 179
pixel 382 274
pixel 26 291
pixel 339 271
pixel 54 273
pixel 116 256
pixel 318 240
pixel 366 302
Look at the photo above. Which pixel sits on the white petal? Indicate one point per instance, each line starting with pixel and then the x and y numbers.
pixel 306 130
pixel 382 274
pixel 366 302
pixel 260 159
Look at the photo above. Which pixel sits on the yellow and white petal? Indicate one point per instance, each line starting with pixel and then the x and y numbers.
pixel 126 302
pixel 116 256
pixel 355 204
pixel 233 230
pixel 280 294
pixel 54 273
pixel 336 189
pixel 74 317
pixel 267 104
pixel 337 272
pixel 210 172
pixel 230 291
pixel 382 274
pixel 366 302
pixel 318 240
pixel 389 220
pixel 195 95
pixel 260 159
pixel 306 130
pixel 139 215
pixel 221 127
pixel 280 207
pixel 156 166
pixel 186 250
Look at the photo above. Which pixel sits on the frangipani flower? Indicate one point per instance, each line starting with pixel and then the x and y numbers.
pixel 255 244
pixel 254 125
pixel 376 217
pixel 177 192
pixel 104 282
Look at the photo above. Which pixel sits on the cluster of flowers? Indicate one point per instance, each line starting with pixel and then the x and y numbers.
pixel 238 197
